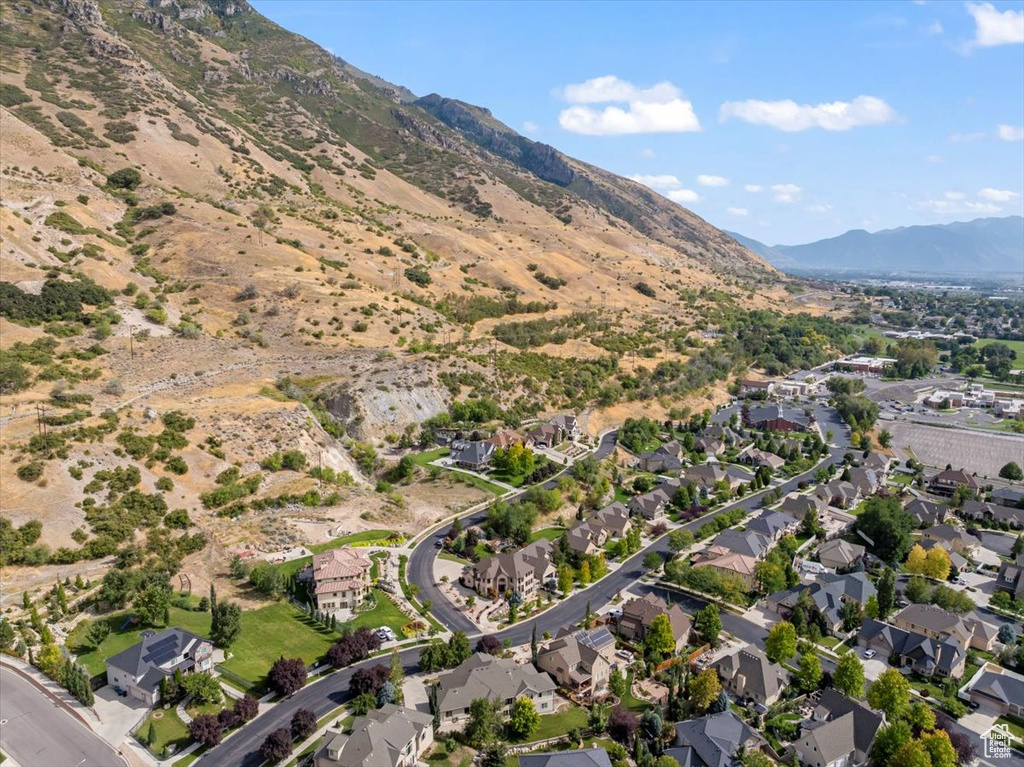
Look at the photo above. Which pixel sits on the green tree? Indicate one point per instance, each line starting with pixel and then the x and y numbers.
pixel 849 676
pixel 484 722
pixel 1012 471
pixel 617 683
pixel 1018 546
pixel 565 579
pixel 459 648
pixel 917 590
pixel 889 741
pixel 708 624
pixel 912 754
pixel 151 604
pixel 203 687
pixel 660 641
pixel 871 607
pixel 704 688
pixel 887 526
pixel 781 642
pixel 890 693
pixel 886 593
pixel 939 748
pixel 397 676
pixel 809 676
pixel 228 623
pixel 680 539
pixel 523 719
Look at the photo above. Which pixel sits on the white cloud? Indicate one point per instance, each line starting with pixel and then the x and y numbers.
pixel 821 207
pixel 935 28
pixel 997 195
pixel 956 207
pixel 955 196
pixel 995 27
pixel 791 117
pixel 786 193
pixel 737 211
pixel 664 181
pixel 658 109
pixel 934 159
pixel 648 153
pixel 754 188
pixel 683 195
pixel 966 138
pixel 1009 133
pixel 705 180
pixel 531 127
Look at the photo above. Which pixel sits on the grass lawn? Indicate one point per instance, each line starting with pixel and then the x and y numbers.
pixel 553 725
pixel 483 550
pixel 447 555
pixel 377 557
pixel 94 660
pixel 621 495
pixel 425 458
pixel 367 536
pixel 830 642
pixel 478 482
pixel 516 480
pixel 168 730
pixel 630 703
pixel 270 632
pixel 551 533
pixel 1015 726
pixel 385 613
pixel 1017 346
pixel 206 708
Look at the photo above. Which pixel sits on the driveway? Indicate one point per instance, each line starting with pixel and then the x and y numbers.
pixel 979 721
pixel 117 715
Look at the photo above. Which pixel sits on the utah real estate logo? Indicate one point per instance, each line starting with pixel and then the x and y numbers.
pixel 997 742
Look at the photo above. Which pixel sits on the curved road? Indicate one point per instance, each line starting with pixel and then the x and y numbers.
pixel 37 731
pixel 242 748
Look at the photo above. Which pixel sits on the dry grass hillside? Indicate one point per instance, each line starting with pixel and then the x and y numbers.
pixel 302 258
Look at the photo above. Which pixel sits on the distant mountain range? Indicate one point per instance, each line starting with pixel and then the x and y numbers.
pixel 982 245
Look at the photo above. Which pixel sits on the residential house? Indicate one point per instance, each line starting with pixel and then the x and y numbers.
pixel 580 661
pixel 976 510
pixel 867 481
pixel 934 622
pixel 707 475
pixel 709 445
pixel 797 506
pixel 926 513
pixel 839 554
pixel 586 538
pixel 746 542
pixel 390 735
pixel 827 594
pixel 993 512
pixel 961 542
pixel 1011 577
pixel 878 463
pixel 545 435
pixel 753 456
pixel 750 676
pixel 499 679
pixel 1008 496
pixel 614 519
pixel 569 426
pixel 524 571
pixel 341 579
pixel 651 505
pixel 639 613
pixel 505 438
pixel 729 563
pixel 773 525
pixel 957 561
pixel 666 458
pixel 922 654
pixel 724 433
pixel 839 733
pixel 946 482
pixel 715 740
pixel 997 689
pixel 141 668
pixel 776 418
pixel 473 455
pixel 838 493
pixel 583 757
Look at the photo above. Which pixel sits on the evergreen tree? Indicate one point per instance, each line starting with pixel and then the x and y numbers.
pixel 534 652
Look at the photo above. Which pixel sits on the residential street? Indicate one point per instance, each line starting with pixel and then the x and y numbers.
pixel 38 732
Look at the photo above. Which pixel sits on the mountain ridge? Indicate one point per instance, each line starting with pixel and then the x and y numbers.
pixel 991 244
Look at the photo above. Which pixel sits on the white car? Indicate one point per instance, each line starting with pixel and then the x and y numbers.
pixel 869 654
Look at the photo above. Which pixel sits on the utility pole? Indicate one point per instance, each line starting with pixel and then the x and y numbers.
pixel 131 340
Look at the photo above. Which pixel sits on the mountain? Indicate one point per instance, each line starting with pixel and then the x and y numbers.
pixel 982 245
pixel 204 212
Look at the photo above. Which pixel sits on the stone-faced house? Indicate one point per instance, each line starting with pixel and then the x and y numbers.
pixel 141 668
pixel 499 679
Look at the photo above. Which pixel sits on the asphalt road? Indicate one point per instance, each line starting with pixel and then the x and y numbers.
pixel 38 732
pixel 242 749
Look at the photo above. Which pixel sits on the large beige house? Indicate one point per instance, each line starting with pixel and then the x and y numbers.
pixel 580 661
pixel 392 735
pixel 524 571
pixel 932 621
pixel 499 679
pixel 341 579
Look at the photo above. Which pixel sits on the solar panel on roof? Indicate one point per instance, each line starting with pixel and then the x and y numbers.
pixel 160 652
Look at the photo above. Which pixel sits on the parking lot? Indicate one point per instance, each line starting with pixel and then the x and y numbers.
pixel 974 451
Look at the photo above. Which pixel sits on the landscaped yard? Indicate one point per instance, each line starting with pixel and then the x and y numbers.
pixel 447 555
pixel 118 640
pixel 272 631
pixel 367 536
pixel 167 730
pixel 517 479
pixel 478 482
pixel 1017 346
pixel 605 743
pixel 629 702
pixel 553 725
pixel 429 456
pixel 385 613
pixel 551 533
pixel 1015 726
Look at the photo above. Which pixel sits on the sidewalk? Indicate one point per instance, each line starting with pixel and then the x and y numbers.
pixel 55 691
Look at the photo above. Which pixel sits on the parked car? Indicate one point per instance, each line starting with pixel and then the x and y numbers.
pixel 869 654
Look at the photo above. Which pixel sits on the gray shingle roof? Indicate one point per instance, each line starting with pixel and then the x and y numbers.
pixel 155 651
pixel 379 737
pixel 484 676
pixel 586 757
pixel 712 740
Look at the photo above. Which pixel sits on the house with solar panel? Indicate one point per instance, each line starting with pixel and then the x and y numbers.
pixel 140 669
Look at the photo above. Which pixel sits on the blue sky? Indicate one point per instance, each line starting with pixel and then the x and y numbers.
pixel 787 122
